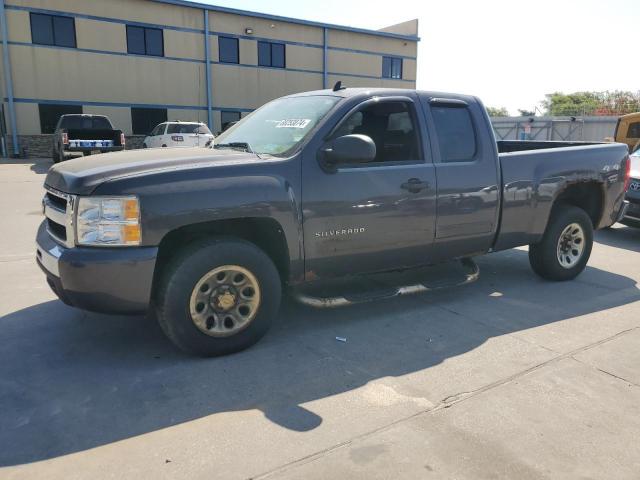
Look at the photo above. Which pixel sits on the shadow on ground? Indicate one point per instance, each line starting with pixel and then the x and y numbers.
pixel 71 381
pixel 620 237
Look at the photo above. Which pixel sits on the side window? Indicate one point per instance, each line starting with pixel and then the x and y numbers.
pixel 391 125
pixel 228 51
pixel 634 130
pixel 53 30
pixel 455 132
pixel 145 41
pixel 271 54
pixel 391 67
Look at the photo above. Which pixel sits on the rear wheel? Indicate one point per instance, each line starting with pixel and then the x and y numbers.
pixel 218 296
pixel 566 245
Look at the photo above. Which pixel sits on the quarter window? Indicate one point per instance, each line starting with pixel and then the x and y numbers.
pixel 51 113
pixel 53 30
pixel 228 50
pixel 391 67
pixel 391 126
pixel 455 132
pixel 634 130
pixel 145 41
pixel 271 54
pixel 143 120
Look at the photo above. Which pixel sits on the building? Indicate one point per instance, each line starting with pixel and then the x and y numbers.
pixel 142 62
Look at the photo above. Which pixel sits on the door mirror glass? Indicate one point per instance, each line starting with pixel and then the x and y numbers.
pixel 354 148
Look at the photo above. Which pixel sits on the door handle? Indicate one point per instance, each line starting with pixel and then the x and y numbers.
pixel 415 185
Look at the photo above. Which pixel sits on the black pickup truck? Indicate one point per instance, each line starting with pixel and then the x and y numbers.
pixel 315 187
pixel 81 134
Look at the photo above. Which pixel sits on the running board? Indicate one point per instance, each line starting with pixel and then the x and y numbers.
pixel 378 285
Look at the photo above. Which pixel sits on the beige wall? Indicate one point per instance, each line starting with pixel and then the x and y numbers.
pixel 75 75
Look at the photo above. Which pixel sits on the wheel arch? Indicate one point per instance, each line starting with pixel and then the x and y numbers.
pixel 588 196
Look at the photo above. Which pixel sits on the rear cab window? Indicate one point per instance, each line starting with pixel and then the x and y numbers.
pixel 187 128
pixel 82 122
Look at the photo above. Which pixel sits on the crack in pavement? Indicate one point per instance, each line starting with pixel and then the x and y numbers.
pixel 446 403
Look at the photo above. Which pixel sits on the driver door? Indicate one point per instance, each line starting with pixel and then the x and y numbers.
pixel 373 216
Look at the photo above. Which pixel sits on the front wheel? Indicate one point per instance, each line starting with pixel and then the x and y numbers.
pixel 566 245
pixel 218 296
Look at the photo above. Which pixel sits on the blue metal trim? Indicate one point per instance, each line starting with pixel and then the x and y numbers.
pixel 235 11
pixel 106 52
pixel 325 58
pixel 367 52
pixel 8 78
pixel 103 19
pixel 207 68
pixel 126 105
pixel 194 30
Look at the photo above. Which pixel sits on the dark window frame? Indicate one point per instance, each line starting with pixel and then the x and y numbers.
pixel 137 128
pixel 133 51
pixel 222 38
pixel 391 61
pixel 633 128
pixel 52 20
pixel 46 109
pixel 270 45
pixel 477 147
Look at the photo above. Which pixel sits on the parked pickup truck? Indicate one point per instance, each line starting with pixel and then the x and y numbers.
pixel 315 187
pixel 82 134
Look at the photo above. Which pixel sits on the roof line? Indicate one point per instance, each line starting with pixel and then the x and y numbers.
pixel 267 16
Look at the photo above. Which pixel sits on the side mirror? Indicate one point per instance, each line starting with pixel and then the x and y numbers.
pixel 353 148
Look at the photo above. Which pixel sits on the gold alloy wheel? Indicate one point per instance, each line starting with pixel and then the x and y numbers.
pixel 225 301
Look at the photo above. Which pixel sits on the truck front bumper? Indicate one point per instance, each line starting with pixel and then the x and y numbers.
pixel 99 279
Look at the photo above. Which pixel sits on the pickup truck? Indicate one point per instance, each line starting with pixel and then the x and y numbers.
pixel 83 134
pixel 315 187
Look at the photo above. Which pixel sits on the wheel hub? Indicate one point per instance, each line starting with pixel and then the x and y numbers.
pixel 571 245
pixel 225 301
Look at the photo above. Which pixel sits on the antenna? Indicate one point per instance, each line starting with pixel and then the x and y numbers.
pixel 338 86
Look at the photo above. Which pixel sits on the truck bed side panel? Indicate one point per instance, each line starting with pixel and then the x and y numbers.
pixel 533 179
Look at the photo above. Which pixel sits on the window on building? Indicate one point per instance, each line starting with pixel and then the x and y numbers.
pixel 456 134
pixel 634 130
pixel 51 113
pixel 53 30
pixel 228 51
pixel 391 67
pixel 228 117
pixel 271 54
pixel 391 125
pixel 144 120
pixel 145 41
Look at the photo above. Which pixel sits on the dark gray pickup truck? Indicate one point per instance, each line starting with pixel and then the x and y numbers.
pixel 311 188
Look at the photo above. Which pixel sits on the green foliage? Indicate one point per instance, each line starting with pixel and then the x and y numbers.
pixel 592 103
pixel 497 112
pixel 526 113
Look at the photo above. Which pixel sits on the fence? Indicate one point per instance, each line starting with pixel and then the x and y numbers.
pixel 588 129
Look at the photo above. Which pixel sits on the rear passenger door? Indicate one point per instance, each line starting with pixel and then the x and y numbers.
pixel 467 174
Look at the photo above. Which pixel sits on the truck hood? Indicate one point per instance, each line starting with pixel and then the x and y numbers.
pixel 82 175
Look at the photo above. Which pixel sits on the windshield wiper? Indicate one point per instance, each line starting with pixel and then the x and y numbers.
pixel 242 146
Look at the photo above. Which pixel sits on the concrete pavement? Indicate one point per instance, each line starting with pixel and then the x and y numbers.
pixel 510 377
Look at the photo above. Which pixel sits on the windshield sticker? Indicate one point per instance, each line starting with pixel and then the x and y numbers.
pixel 293 123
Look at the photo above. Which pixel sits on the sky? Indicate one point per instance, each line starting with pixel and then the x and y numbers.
pixel 509 53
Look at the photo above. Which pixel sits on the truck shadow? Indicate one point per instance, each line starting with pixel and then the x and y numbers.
pixel 620 237
pixel 71 381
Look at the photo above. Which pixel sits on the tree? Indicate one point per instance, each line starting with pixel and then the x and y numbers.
pixel 592 103
pixel 526 113
pixel 497 112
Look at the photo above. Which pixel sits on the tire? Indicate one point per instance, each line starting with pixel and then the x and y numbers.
pixel 144 145
pixel 182 280
pixel 55 156
pixel 545 256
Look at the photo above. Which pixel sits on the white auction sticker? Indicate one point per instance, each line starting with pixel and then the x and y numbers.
pixel 293 123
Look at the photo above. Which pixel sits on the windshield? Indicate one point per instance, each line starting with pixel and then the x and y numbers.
pixel 81 122
pixel 278 127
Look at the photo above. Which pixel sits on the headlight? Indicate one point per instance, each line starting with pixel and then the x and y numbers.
pixel 108 221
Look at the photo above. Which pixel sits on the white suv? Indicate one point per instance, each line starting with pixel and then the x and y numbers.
pixel 179 134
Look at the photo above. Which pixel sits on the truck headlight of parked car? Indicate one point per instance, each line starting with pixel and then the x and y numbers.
pixel 110 221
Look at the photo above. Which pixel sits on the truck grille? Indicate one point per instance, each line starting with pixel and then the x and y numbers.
pixel 58 209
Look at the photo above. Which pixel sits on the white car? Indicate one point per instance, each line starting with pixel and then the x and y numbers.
pixel 179 134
